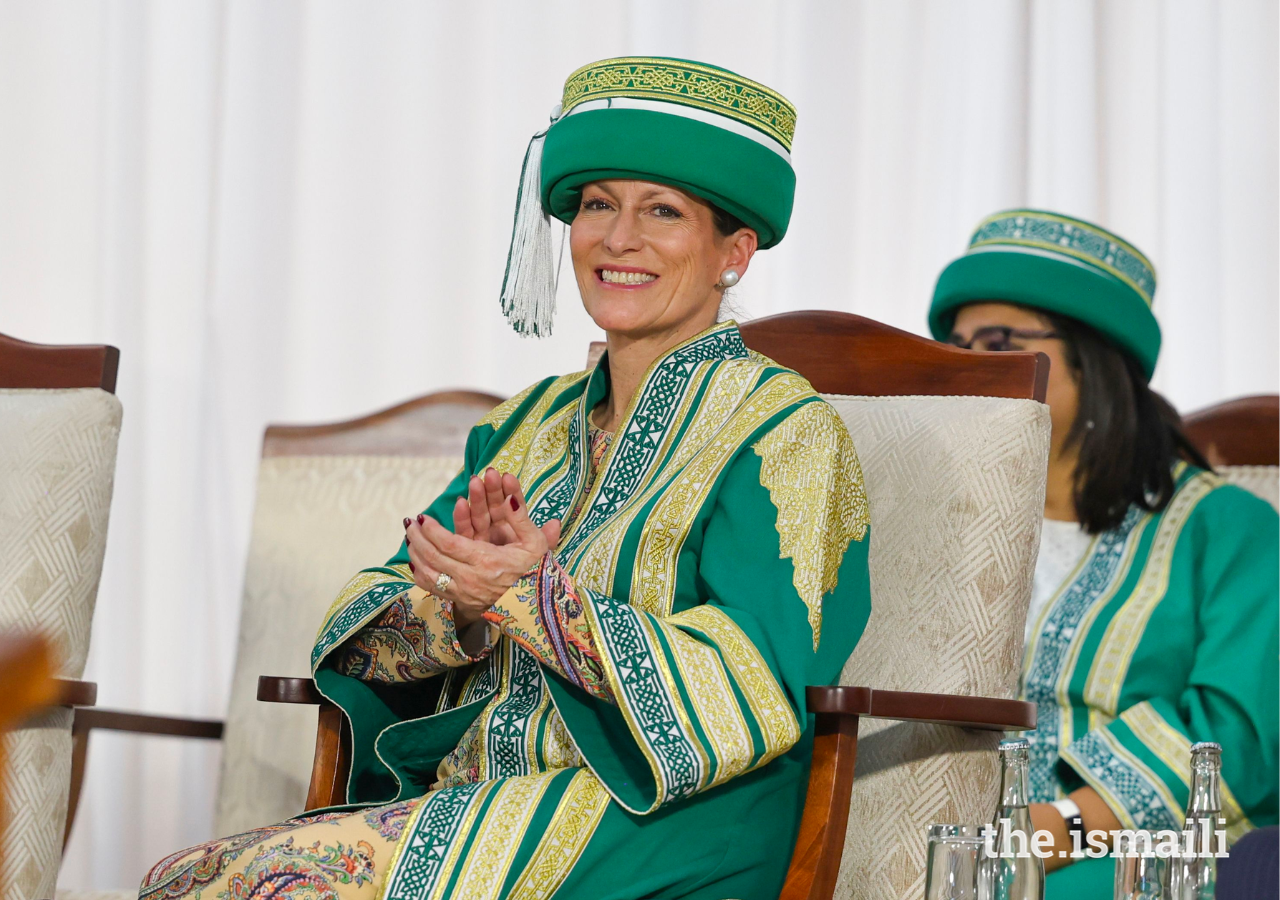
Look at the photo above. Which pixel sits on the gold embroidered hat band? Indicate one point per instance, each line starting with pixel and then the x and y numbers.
pixel 696 127
pixel 1059 264
pixel 690 85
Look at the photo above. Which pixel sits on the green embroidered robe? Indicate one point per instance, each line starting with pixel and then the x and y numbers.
pixel 716 564
pixel 1165 634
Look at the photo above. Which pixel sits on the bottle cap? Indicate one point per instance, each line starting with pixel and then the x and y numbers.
pixel 1019 744
pixel 1206 745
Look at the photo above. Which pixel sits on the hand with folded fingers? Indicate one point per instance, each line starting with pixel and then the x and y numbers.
pixel 473 515
pixel 469 568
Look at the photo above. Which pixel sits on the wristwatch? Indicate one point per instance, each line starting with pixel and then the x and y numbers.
pixel 1067 808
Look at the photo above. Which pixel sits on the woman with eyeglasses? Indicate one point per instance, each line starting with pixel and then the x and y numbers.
pixel 1153 618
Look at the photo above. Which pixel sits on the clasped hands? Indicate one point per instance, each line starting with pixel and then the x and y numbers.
pixel 493 544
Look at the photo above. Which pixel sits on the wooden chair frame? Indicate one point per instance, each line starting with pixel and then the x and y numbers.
pixel 839 353
pixel 396 431
pixel 1240 432
pixel 26 365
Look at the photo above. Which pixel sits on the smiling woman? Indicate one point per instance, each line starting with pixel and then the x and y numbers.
pixel 583 674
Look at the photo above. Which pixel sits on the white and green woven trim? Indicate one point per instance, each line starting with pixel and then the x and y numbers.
pixel 1070 237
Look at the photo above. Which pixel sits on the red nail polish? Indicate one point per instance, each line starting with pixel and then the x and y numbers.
pixel 411 568
pixel 407 520
pixel 421 518
pixel 515 507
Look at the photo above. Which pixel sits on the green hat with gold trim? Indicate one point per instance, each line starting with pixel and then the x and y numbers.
pixel 697 127
pixel 1058 264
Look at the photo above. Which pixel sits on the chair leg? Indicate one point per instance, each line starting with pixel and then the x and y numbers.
pixel 79 756
pixel 815 862
pixel 332 764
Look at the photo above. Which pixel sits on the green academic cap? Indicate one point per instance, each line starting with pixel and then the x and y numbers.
pixel 700 128
pixel 1058 264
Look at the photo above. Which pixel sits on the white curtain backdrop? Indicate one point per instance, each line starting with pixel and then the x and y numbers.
pixel 298 212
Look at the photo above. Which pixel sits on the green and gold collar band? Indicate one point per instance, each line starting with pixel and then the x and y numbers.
pixel 699 128
pixel 1059 264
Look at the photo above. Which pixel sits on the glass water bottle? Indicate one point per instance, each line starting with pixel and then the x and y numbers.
pixel 1014 872
pixel 1194 872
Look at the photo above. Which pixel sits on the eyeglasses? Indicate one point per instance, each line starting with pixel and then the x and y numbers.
pixel 999 338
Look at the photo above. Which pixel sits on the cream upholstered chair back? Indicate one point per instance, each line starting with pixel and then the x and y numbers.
pixel 330 501
pixel 57 468
pixel 956 489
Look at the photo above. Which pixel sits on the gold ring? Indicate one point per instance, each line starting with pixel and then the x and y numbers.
pixel 442 582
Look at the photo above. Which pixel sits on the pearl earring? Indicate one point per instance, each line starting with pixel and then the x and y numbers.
pixel 728 278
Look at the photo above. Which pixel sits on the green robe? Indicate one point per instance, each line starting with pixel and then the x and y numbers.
pixel 637 726
pixel 1165 634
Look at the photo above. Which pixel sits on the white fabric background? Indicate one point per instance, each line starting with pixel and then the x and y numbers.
pixel 298 212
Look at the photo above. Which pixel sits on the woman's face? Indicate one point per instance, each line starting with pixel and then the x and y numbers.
pixel 1063 393
pixel 647 258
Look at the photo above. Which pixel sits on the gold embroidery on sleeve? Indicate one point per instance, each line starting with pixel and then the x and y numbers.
pixel 810 467
pixel 764 696
pixel 1173 749
pixel 714 704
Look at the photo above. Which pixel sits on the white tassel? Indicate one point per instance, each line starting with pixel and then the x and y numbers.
pixel 529 285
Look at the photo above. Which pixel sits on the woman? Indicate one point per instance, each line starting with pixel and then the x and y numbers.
pixel 1153 619
pixel 583 675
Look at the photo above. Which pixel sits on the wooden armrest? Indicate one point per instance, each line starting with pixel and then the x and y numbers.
pixel 73 692
pixel 145 723
pixel 332 763
pixel 87 719
pixel 277 689
pixel 987 713
pixel 815 861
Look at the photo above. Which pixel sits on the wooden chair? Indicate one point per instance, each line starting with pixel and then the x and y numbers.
pixel 842 354
pixel 1241 438
pixel 330 498
pixel 1240 432
pixel 59 427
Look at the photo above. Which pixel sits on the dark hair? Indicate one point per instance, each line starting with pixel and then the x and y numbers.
pixel 726 223
pixel 1129 437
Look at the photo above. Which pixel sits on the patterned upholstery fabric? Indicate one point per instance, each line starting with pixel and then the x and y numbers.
pixel 956 486
pixel 57 465
pixel 1263 481
pixel 317 520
